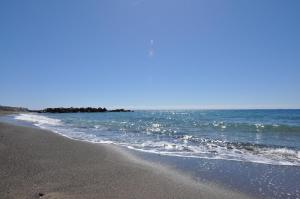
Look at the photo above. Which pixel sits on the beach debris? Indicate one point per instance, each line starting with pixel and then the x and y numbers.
pixel 41 194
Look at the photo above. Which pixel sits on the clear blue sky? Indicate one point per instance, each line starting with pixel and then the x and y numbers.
pixel 150 53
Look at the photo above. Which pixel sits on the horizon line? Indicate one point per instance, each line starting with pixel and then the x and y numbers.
pixel 178 107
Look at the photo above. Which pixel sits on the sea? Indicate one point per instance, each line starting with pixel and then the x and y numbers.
pixel 256 152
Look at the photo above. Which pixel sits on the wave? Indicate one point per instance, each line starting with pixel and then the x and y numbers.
pixel 38 120
pixel 57 126
pixel 217 149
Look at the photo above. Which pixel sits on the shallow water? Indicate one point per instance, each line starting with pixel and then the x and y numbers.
pixel 254 179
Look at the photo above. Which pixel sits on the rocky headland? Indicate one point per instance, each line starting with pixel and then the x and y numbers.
pixel 8 109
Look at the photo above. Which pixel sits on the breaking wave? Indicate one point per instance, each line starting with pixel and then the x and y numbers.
pixel 38 120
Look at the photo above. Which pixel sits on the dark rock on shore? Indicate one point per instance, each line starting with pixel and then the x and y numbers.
pixel 9 110
pixel 73 110
pixel 80 110
pixel 120 110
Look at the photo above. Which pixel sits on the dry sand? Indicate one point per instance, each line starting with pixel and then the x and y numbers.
pixel 35 163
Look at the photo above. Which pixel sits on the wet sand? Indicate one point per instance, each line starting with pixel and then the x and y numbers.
pixel 36 163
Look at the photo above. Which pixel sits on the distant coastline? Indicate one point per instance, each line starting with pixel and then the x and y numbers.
pixel 9 109
pixel 4 110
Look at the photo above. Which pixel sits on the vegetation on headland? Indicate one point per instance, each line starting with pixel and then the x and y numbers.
pixel 62 110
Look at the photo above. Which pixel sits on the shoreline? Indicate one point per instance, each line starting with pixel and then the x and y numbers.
pixel 36 161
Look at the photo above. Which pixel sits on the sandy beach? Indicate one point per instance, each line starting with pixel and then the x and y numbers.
pixel 35 163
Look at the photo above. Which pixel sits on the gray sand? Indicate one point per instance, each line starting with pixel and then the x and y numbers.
pixel 34 161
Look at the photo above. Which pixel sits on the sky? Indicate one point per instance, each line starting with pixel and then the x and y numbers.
pixel 150 54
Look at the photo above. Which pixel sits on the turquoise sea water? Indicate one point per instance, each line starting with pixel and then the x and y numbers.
pixel 262 136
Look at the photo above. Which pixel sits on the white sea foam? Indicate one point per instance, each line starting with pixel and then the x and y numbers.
pixel 57 126
pixel 156 125
pixel 259 125
pixel 283 152
pixel 154 128
pixel 219 124
pixel 282 156
pixel 38 120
